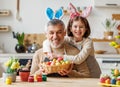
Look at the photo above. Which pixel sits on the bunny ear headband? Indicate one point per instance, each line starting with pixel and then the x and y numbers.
pixel 73 11
pixel 54 15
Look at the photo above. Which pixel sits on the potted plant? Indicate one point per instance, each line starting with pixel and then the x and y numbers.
pixel 109 25
pixel 20 48
pixel 12 65
pixel 24 71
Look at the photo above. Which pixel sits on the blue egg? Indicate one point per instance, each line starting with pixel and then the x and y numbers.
pixel 113 81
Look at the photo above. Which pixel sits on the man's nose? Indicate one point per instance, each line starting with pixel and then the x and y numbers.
pixel 55 35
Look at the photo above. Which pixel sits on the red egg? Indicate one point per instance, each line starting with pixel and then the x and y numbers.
pixel 59 58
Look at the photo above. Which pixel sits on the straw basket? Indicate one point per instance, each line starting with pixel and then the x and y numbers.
pixel 55 68
pixel 118 50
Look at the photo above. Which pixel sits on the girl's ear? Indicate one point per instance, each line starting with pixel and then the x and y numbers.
pixel 59 13
pixel 50 13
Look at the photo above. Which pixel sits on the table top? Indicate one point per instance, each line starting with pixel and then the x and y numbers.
pixel 56 82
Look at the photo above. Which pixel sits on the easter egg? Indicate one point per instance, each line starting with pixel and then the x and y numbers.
pixel 117 82
pixel 8 80
pixel 107 81
pixel 113 81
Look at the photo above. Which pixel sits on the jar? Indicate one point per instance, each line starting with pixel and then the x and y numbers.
pixel 39 78
pixel 31 79
pixel 44 77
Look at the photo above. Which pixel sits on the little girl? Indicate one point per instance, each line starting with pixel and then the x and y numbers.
pixel 78 31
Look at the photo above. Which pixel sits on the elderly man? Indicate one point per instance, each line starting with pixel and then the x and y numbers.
pixel 55 34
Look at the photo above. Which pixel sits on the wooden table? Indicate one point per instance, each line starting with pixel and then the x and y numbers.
pixel 56 82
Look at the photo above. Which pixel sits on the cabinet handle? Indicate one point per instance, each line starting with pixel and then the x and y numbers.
pixel 111 4
pixel 107 61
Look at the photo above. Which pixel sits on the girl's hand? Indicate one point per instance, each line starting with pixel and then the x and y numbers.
pixel 66 72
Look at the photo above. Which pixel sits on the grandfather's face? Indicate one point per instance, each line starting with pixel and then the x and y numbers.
pixel 55 35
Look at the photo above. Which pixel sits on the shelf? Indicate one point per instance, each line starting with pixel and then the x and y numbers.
pixel 67 13
pixel 4 12
pixel 4 28
pixel 102 40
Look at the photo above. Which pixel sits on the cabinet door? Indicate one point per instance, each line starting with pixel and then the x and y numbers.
pixel 106 64
pixel 107 3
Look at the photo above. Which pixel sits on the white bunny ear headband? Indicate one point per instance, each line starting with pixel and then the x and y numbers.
pixel 73 11
pixel 54 15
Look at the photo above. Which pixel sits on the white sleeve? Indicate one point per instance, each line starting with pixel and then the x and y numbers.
pixel 46 46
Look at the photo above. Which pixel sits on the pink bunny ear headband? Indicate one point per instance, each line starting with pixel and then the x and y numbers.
pixel 73 12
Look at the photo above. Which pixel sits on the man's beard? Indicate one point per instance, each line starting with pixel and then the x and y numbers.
pixel 54 46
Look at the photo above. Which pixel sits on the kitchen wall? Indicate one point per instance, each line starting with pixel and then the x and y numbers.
pixel 34 19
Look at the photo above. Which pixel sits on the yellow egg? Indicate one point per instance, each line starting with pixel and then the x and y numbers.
pixel 118 82
pixel 8 80
pixel 116 72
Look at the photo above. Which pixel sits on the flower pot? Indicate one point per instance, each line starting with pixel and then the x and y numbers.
pixel 20 48
pixel 6 75
pixel 24 75
pixel 108 35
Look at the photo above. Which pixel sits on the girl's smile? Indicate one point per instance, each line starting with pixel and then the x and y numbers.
pixel 78 30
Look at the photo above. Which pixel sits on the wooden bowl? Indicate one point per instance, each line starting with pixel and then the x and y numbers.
pixel 100 51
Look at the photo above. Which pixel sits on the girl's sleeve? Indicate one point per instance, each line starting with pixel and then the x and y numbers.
pixel 46 46
pixel 87 48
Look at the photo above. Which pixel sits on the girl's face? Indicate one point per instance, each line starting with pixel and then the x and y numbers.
pixel 78 30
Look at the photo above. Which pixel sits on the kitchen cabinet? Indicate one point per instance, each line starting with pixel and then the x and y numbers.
pixel 108 62
pixel 107 3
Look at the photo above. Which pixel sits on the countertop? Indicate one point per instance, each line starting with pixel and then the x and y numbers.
pixel 30 55
pixel 56 82
pixel 19 55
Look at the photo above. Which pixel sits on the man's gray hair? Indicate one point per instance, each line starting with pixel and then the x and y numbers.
pixel 55 22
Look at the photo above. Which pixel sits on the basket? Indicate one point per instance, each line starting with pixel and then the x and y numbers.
pixel 55 68
pixel 118 50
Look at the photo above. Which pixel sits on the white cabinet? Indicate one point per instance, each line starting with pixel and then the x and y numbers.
pixel 107 3
pixel 106 64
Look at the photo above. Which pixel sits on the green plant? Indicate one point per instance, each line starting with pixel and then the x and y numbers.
pixel 19 37
pixel 109 24
pixel 12 65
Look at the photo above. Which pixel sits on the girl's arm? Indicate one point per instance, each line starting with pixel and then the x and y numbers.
pixel 46 46
pixel 87 48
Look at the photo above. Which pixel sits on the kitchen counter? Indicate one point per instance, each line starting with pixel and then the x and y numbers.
pixel 30 55
pixel 56 82
pixel 19 55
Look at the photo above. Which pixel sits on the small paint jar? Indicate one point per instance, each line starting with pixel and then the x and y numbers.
pixel 39 78
pixel 44 77
pixel 31 79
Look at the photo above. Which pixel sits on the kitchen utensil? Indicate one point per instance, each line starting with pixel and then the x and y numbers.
pixel 18 11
